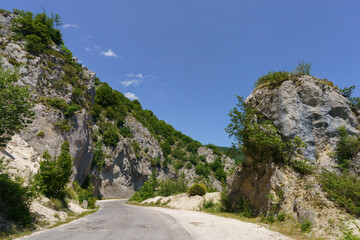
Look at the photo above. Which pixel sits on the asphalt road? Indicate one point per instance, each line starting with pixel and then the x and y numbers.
pixel 117 220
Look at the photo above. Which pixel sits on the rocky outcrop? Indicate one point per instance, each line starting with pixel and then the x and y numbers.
pixel 314 110
pixel 310 109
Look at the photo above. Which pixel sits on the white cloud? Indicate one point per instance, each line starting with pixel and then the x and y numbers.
pixel 87 49
pixel 131 96
pixel 138 75
pixel 69 25
pixel 108 53
pixel 130 82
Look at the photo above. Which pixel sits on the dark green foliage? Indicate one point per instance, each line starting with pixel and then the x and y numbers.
pixel 34 44
pixel 76 95
pixel 99 157
pixel 281 216
pixel 203 169
pixel 166 148
pixel 155 162
pixel 218 169
pixel 54 174
pixel 15 201
pixel 39 30
pixel 15 105
pixel 303 166
pixel 346 149
pixel 197 189
pixel 111 137
pixel 303 68
pixel 67 53
pixel 354 101
pixel 214 148
pixel 344 190
pixel 273 79
pixel 193 147
pixel 67 109
pixel 125 132
pixel 306 226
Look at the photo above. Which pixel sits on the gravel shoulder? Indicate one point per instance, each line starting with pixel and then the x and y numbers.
pixel 206 226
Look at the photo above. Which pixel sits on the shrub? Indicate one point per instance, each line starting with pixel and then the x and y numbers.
pixel 202 170
pixel 303 68
pixel 99 157
pixel 40 134
pixel 346 149
pixel 273 79
pixel 111 137
pixel 303 166
pixel 15 201
pixel 172 186
pixel 197 189
pixel 306 226
pixel 281 216
pixel 344 190
pixel 125 132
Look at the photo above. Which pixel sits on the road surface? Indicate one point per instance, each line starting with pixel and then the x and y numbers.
pixel 120 221
pixel 116 220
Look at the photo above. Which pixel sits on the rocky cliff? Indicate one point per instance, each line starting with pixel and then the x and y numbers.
pixel 313 110
pixel 118 144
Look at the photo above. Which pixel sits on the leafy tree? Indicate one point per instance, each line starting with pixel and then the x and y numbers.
pixel 15 105
pixel 258 136
pixel 55 174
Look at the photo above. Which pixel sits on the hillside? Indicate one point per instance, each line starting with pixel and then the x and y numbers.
pixel 114 142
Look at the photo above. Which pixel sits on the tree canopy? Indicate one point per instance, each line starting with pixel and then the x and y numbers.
pixel 15 104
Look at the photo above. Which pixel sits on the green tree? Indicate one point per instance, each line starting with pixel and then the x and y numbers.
pixel 55 174
pixel 258 136
pixel 15 105
pixel 38 30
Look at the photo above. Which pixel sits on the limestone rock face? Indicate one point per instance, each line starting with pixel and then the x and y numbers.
pixel 314 111
pixel 124 172
pixel 309 109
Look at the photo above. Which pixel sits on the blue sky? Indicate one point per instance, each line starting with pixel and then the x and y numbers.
pixel 187 60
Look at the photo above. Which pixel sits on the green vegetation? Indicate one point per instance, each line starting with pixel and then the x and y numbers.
pixel 15 201
pixel 343 189
pixel 197 189
pixel 85 192
pixel 259 137
pixel 38 30
pixel 306 226
pixel 303 68
pixel 54 174
pixel 99 157
pixel 347 232
pixel 354 101
pixel 110 111
pixel 67 109
pixel 346 149
pixel 273 79
pixel 234 153
pixel 15 105
pixel 152 188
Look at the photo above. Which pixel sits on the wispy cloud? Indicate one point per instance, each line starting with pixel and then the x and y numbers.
pixel 108 53
pixel 87 49
pixel 70 25
pixel 130 82
pixel 131 96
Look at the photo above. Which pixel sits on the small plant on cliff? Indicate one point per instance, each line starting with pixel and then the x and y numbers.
pixel 354 101
pixel 197 189
pixel 303 68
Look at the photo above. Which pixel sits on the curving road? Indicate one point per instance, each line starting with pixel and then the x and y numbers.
pixel 117 220
pixel 120 221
